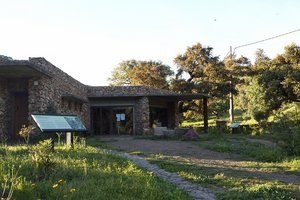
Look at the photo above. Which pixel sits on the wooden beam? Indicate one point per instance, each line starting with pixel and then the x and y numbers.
pixel 205 115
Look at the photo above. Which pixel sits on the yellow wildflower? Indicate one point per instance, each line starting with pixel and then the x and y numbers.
pixel 60 181
pixel 55 185
pixel 72 190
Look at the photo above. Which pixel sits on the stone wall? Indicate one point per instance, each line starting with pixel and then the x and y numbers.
pixel 55 90
pixel 8 89
pixel 46 93
pixel 142 115
pixel 4 115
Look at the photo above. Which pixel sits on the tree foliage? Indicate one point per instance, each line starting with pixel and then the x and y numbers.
pixel 120 74
pixel 259 89
pixel 281 84
pixel 273 82
pixel 150 73
pixel 280 78
pixel 147 73
pixel 199 71
pixel 261 59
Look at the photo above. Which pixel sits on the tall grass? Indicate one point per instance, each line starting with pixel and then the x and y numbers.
pixel 82 173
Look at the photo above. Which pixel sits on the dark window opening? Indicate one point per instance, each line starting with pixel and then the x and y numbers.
pixel 158 116
pixel 80 107
pixel 112 120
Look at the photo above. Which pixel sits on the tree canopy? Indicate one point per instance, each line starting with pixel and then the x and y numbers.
pixel 120 74
pixel 147 73
pixel 199 71
pixel 274 82
pixel 259 88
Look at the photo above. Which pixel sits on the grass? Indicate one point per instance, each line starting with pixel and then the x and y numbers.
pixel 80 173
pixel 289 165
pixel 212 120
pixel 230 183
pixel 239 144
pixel 238 183
pixel 239 117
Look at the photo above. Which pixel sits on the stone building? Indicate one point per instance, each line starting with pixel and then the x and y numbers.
pixel 35 86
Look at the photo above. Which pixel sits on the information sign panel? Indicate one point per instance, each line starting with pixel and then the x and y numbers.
pixel 59 123
pixel 235 125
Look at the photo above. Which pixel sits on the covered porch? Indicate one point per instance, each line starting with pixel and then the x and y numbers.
pixel 134 114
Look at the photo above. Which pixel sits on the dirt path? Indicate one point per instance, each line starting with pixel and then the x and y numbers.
pixel 187 152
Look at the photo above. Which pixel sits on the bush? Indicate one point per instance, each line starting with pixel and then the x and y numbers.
pixel 256 130
pixel 42 155
pixel 260 116
pixel 287 133
pixel 25 132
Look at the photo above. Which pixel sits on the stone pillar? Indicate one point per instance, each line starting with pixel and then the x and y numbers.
pixel 142 115
pixel 173 116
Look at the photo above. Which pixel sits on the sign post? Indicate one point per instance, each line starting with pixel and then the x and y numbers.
pixel 70 139
pixel 234 126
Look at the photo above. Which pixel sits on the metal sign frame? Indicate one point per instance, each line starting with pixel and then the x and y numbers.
pixel 58 123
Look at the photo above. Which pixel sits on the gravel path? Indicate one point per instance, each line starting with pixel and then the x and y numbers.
pixel 194 190
pixel 187 152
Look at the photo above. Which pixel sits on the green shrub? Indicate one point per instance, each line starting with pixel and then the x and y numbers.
pixel 257 130
pixel 260 116
pixel 41 155
pixel 287 133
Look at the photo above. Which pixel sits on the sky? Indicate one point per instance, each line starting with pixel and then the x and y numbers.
pixel 88 38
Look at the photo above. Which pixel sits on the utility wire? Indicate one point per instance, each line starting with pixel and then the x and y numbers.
pixel 271 38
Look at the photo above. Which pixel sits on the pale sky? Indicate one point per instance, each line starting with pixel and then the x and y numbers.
pixel 88 38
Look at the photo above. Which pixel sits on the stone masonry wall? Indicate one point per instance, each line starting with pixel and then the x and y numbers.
pixel 4 115
pixel 173 118
pixel 8 87
pixel 57 91
pixel 48 93
pixel 142 114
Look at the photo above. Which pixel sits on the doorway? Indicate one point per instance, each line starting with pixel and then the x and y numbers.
pixel 112 120
pixel 158 116
pixel 20 111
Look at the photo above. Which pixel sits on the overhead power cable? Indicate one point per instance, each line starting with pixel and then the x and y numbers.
pixel 271 38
